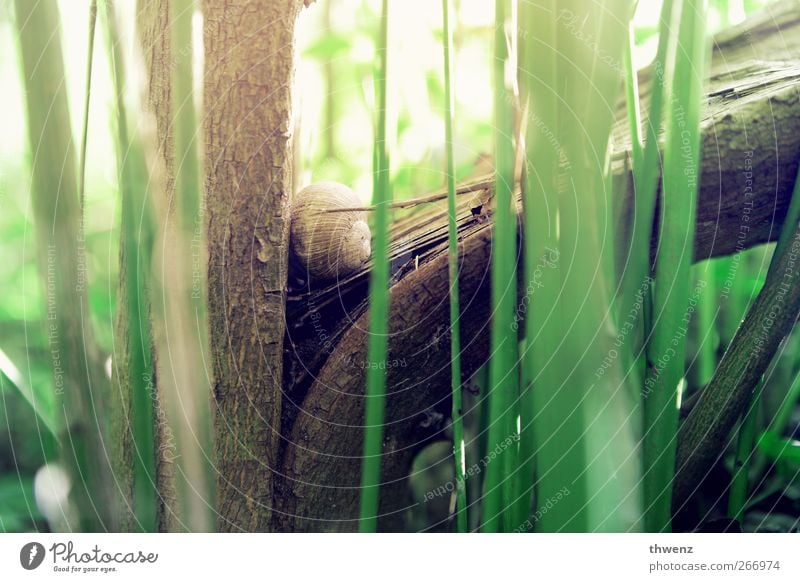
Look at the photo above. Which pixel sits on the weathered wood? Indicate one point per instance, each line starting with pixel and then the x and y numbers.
pixel 153 18
pixel 751 147
pixel 249 64
pixel 705 433
pixel 323 461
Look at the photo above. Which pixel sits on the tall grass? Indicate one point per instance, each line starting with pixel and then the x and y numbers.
pixel 133 364
pixel 503 380
pixel 632 104
pixel 181 307
pixel 703 325
pixel 675 255
pixel 378 302
pixel 459 452
pixel 634 287
pixel 773 434
pixel 87 98
pixel 538 50
pixel 742 456
pixel 582 413
pixel 78 379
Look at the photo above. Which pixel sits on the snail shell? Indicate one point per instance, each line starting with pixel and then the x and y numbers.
pixel 329 245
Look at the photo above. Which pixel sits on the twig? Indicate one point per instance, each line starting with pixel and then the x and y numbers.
pixel 704 434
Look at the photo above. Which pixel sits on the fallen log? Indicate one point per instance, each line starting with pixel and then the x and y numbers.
pixel 751 148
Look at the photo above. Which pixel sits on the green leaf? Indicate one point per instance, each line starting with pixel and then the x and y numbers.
pixel 378 302
pixel 459 452
pixel 18 510
pixel 779 449
pixel 328 46
pixel 39 399
pixel 643 33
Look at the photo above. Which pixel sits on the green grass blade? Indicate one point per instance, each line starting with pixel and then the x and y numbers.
pixel 745 444
pixel 637 270
pixel 703 324
pixel 40 401
pixel 185 351
pixel 187 170
pixel 503 379
pixel 87 96
pixel 455 311
pixel 782 417
pixel 632 100
pixel 538 51
pixel 778 423
pixel 133 371
pixel 581 411
pixel 378 304
pixel 78 376
pixel 666 350
pixel 597 434
pixel 792 218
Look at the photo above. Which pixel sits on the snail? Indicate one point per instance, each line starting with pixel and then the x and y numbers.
pixel 329 244
pixel 330 238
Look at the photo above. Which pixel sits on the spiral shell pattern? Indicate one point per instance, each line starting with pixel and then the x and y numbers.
pixel 329 245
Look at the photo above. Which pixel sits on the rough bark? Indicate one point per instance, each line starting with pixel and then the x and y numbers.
pixel 122 446
pixel 751 147
pixel 323 459
pixel 153 18
pixel 705 433
pixel 249 64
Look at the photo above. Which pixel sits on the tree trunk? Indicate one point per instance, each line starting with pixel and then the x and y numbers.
pixel 153 18
pixel 249 64
pixel 751 147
